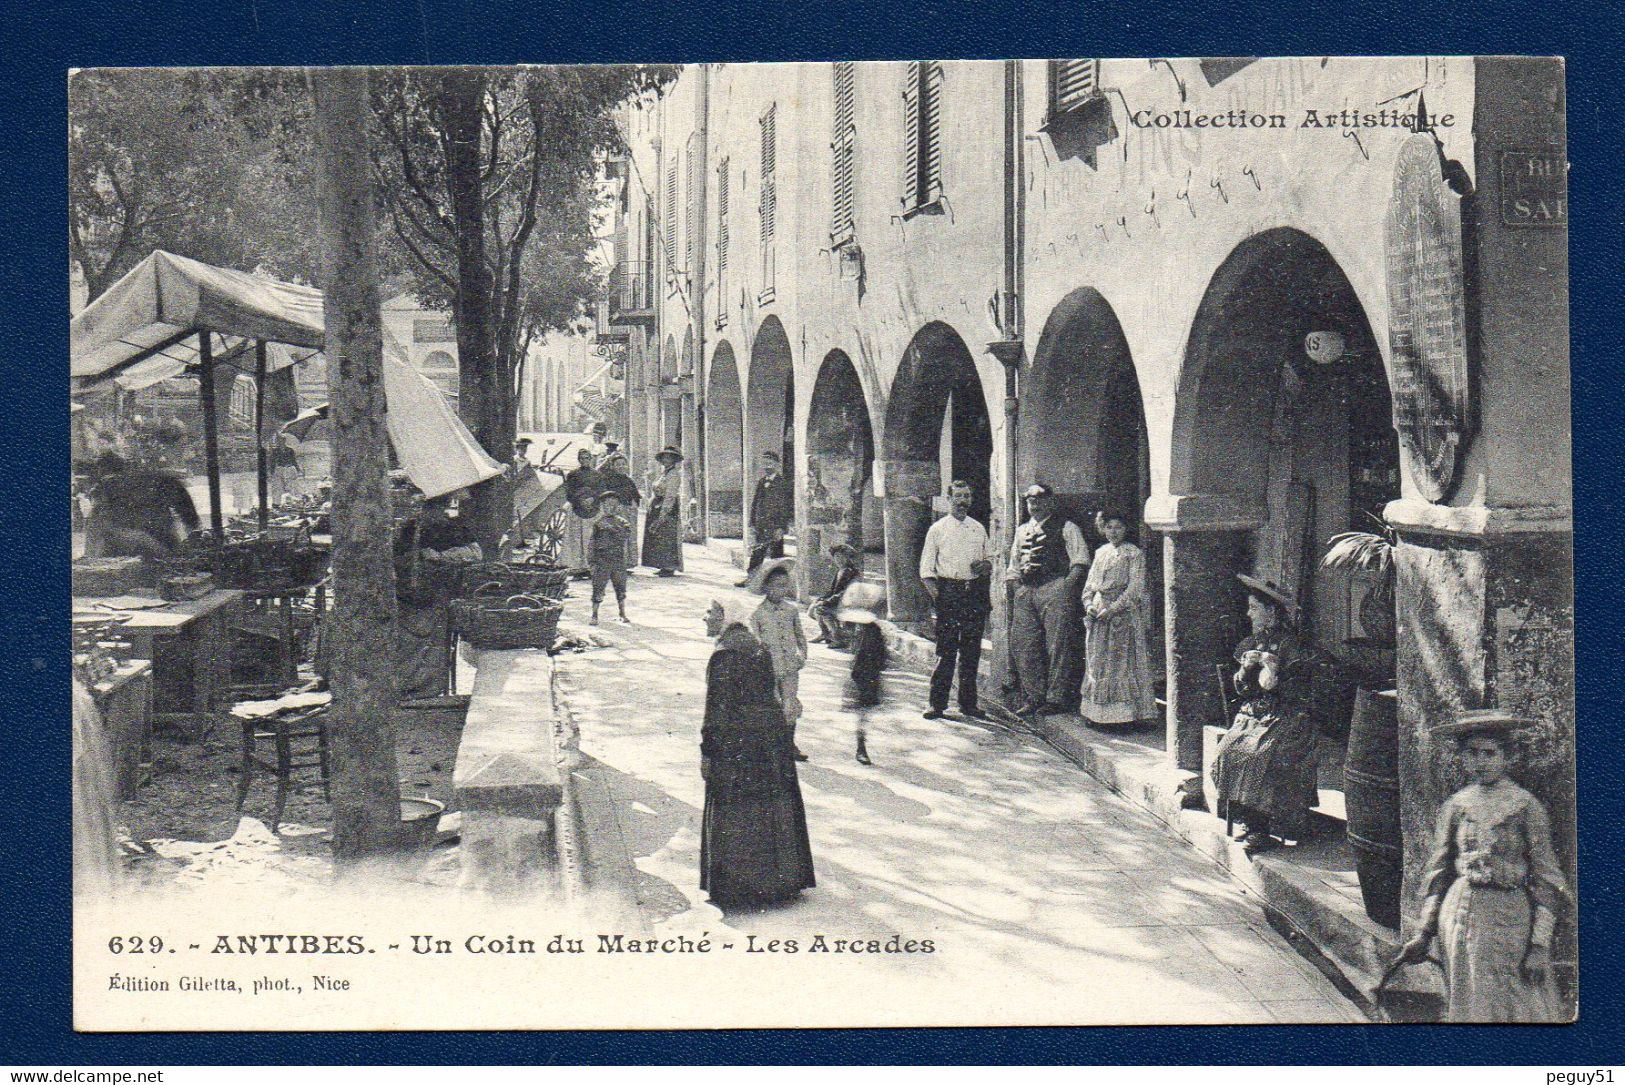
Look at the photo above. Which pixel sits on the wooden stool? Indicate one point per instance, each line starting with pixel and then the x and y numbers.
pixel 299 740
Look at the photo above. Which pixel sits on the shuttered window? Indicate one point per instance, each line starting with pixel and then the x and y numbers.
pixel 842 148
pixel 922 134
pixel 1072 83
pixel 770 192
pixel 691 215
pixel 651 241
pixel 722 243
pixel 671 214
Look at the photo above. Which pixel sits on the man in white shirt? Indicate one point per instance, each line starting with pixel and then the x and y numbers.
pixel 954 567
pixel 1048 561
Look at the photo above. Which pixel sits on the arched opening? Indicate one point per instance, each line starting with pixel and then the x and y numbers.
pixel 724 447
pixel 1295 435
pixel 937 430
pixel 1083 432
pixel 671 402
pixel 840 468
pixel 770 400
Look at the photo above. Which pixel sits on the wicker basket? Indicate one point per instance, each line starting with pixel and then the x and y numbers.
pixel 517 621
pixel 530 578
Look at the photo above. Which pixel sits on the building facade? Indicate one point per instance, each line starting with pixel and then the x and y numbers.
pixel 1252 302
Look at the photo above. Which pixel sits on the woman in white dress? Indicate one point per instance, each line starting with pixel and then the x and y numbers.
pixel 1116 616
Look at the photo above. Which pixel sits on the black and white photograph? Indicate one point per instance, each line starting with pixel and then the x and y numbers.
pixel 822 545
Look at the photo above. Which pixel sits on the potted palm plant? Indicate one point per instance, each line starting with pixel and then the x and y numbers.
pixel 1373 553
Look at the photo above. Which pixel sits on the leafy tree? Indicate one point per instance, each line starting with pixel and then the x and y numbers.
pixel 208 163
pixel 489 177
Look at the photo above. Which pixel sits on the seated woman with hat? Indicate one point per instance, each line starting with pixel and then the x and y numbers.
pixel 1264 774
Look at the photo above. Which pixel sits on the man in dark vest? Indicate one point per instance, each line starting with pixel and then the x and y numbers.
pixel 1048 561
pixel 772 511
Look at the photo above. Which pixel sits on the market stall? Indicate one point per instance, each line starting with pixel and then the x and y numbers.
pixel 170 316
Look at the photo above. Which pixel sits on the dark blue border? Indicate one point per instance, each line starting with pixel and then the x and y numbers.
pixel 34 912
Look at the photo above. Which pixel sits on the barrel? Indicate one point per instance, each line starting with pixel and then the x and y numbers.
pixel 1371 792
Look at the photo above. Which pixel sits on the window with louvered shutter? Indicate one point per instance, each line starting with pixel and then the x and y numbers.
pixel 722 243
pixel 842 154
pixel 930 131
pixel 650 263
pixel 922 134
pixel 770 192
pixel 671 214
pixel 690 206
pixel 1072 83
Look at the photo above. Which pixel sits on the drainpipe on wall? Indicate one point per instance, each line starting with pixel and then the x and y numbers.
pixel 1009 349
pixel 702 177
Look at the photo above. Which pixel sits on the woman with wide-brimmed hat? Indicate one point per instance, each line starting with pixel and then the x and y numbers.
pixel 1492 888
pixel 663 529
pixel 1264 774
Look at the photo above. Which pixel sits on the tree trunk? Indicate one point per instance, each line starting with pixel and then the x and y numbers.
pixel 483 400
pixel 361 627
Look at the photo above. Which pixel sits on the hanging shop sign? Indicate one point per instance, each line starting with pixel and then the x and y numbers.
pixel 1534 189
pixel 1427 320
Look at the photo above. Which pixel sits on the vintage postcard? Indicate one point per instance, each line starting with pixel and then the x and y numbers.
pixel 1028 542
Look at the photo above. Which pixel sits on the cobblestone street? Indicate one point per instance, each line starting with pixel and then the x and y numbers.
pixel 1041 890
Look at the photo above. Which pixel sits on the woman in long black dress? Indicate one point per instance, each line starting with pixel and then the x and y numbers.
pixel 753 840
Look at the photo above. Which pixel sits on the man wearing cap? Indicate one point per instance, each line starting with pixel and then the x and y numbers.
pixel 1048 561
pixel 954 565
pixel 772 510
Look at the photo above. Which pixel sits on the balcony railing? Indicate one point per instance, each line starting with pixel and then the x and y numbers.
pixel 630 294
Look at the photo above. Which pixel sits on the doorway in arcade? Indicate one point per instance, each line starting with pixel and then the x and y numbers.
pixel 840 472
pixel 725 471
pixel 1083 433
pixel 770 399
pixel 937 430
pixel 1285 410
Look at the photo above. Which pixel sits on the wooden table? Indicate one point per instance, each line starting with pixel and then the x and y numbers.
pixel 124 699
pixel 190 635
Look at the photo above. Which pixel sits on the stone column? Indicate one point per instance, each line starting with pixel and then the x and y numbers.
pixel 1485 619
pixel 910 486
pixel 1205 544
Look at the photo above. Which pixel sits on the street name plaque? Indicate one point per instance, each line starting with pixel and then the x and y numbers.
pixel 1534 189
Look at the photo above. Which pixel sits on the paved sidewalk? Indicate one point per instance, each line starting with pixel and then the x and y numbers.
pixel 1049 899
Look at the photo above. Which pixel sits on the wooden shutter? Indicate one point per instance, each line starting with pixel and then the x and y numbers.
pixel 1072 83
pixel 770 196
pixel 671 213
pixel 650 241
pixel 841 148
pixel 911 136
pixel 930 130
pixel 691 205
pixel 722 239
pixel 770 192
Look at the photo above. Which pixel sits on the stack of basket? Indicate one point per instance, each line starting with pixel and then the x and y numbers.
pixel 547 582
pixel 492 619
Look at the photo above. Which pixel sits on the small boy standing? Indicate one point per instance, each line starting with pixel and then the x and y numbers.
pixel 777 624
pixel 606 557
pixel 860 608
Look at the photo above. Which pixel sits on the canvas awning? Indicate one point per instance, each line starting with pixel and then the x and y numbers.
pixel 156 310
pixel 430 442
